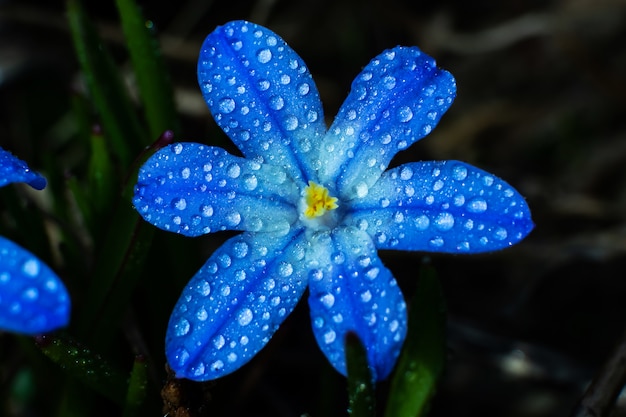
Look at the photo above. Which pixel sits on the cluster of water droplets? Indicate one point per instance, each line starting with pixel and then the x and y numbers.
pixel 234 304
pixel 350 290
pixel 442 206
pixel 397 99
pixel 260 92
pixel 32 298
pixel 194 189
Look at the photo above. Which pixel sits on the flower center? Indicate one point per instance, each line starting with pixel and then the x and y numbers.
pixel 317 201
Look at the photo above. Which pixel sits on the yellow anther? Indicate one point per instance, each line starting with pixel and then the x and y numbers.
pixel 317 200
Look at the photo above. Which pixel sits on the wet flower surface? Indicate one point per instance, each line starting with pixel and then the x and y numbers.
pixel 314 204
pixel 33 299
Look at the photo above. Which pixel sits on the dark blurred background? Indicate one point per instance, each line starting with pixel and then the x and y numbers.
pixel 541 103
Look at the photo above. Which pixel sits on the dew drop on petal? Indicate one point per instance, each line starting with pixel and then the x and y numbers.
pixel 422 222
pixel 437 242
pixel 405 114
pixel 291 123
pixel 285 269
pixel 329 337
pixel 500 233
pixel 444 221
pixel 245 317
pixel 477 205
pixel 328 300
pixel 31 267
pixel 264 56
pixel 459 172
pixel 217 365
pixel 182 327
pixel 227 105
pixel 233 170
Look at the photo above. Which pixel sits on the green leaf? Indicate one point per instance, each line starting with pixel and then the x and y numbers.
pixel 151 75
pixel 137 387
pixel 119 120
pixel 119 264
pixel 361 398
pixel 423 355
pixel 85 365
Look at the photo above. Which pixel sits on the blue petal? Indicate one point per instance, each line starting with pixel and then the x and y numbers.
pixel 194 189
pixel 13 169
pixel 234 304
pixel 352 291
pixel 447 206
pixel 261 94
pixel 397 99
pixel 33 299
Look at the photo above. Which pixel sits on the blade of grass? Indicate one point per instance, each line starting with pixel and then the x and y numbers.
pixel 119 120
pixel 137 387
pixel 423 355
pixel 360 388
pixel 150 71
pixel 86 365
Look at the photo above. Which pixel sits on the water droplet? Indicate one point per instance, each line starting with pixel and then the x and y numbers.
pixel 227 105
pixel 459 172
pixel 329 337
pixel 372 273
pixel 304 89
pixel 233 170
pixel 338 258
pixel 285 269
pixel 244 340
pixel 233 218
pixel 405 114
pixel 264 56
pixel 393 326
pixel 178 148
pixel 204 288
pixel 477 205
pixel 285 79
pixel 182 327
pixel 318 322
pixel 217 365
pixel 328 300
pixel 179 203
pixel 488 180
pixel 231 357
pixel 406 173
pixel 225 290
pixel 437 241
pixel 240 249
pixel 483 240
pixel 245 317
pixel 207 211
pixel 444 221
pixel 316 275
pixel 263 85
pixel 459 200
pixel 185 173
pixel 311 116
pixel 389 82
pixel 366 296
pixel 361 189
pixel 500 233
pixel 438 185
pixel 202 314
pixel 277 102
pixel 291 123
pixel 198 370
pixel 30 294
pixel 31 267
pixel 269 284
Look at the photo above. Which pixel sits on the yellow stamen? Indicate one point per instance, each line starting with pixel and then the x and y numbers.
pixel 317 200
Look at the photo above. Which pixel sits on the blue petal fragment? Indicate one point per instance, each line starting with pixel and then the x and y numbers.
pixel 442 206
pixel 352 291
pixel 396 100
pixel 13 169
pixel 33 300
pixel 262 95
pixel 234 304
pixel 194 189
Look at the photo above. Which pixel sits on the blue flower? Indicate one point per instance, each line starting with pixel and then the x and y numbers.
pixel 314 205
pixel 33 299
